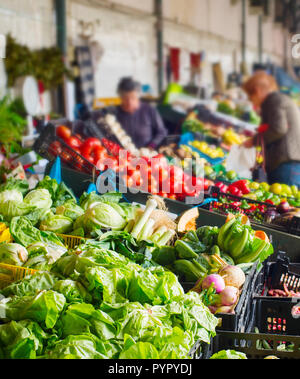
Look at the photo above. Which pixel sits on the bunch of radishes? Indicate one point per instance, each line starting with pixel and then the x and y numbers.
pixel 222 289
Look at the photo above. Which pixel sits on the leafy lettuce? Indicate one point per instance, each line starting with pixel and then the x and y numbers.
pixel 43 308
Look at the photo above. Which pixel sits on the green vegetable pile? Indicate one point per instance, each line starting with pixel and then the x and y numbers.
pixel 239 241
pixel 100 305
pixel 193 256
pixel 46 65
pixel 12 125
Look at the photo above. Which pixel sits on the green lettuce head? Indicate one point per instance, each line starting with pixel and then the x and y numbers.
pixel 13 208
pixel 39 198
pixel 11 204
pixel 43 254
pixel 11 195
pixel 13 254
pixel 70 209
pixel 58 224
pixel 101 216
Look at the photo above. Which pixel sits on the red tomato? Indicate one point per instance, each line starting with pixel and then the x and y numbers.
pixel 73 142
pixel 136 177
pixel 92 150
pixel 153 185
pixel 63 132
pixel 92 143
pixel 99 154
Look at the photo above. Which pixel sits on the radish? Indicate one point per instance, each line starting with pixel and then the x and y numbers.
pixel 233 276
pixel 229 296
pixel 216 280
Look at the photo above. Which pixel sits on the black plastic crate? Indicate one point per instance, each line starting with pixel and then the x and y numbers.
pixel 200 351
pixel 284 274
pixel 275 315
pixel 46 147
pixel 256 345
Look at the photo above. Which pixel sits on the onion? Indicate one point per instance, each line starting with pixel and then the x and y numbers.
pixel 271 215
pixel 216 280
pixel 233 276
pixel 283 207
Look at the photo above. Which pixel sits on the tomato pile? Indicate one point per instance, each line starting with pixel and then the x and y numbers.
pixel 239 188
pixel 154 175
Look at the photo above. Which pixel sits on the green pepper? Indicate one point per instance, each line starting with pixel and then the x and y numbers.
pixel 188 270
pixel 164 256
pixel 184 250
pixel 245 204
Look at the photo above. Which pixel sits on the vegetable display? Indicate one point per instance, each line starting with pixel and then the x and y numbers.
pixel 117 294
pixel 101 306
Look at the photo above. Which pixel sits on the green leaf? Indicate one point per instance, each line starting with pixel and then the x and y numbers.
pixel 229 354
pixel 30 285
pixel 141 350
pixel 43 308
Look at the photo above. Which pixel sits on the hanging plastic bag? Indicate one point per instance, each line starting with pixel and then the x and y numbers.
pixel 242 161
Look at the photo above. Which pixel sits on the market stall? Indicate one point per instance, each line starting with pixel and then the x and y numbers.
pixel 94 266
pixel 109 251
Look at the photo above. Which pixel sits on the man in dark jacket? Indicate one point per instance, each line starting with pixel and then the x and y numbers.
pixel 280 131
pixel 141 121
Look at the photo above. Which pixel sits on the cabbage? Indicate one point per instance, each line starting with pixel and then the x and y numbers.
pixel 11 195
pixel 11 204
pixel 44 308
pixel 50 252
pixel 101 215
pixel 12 208
pixel 87 200
pixel 13 254
pixel 36 204
pixel 39 198
pixel 57 224
pixel 73 291
pixel 70 209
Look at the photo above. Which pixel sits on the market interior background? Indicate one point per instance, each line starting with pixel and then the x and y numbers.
pixel 198 44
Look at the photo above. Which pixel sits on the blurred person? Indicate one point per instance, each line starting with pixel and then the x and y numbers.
pixel 280 128
pixel 140 120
